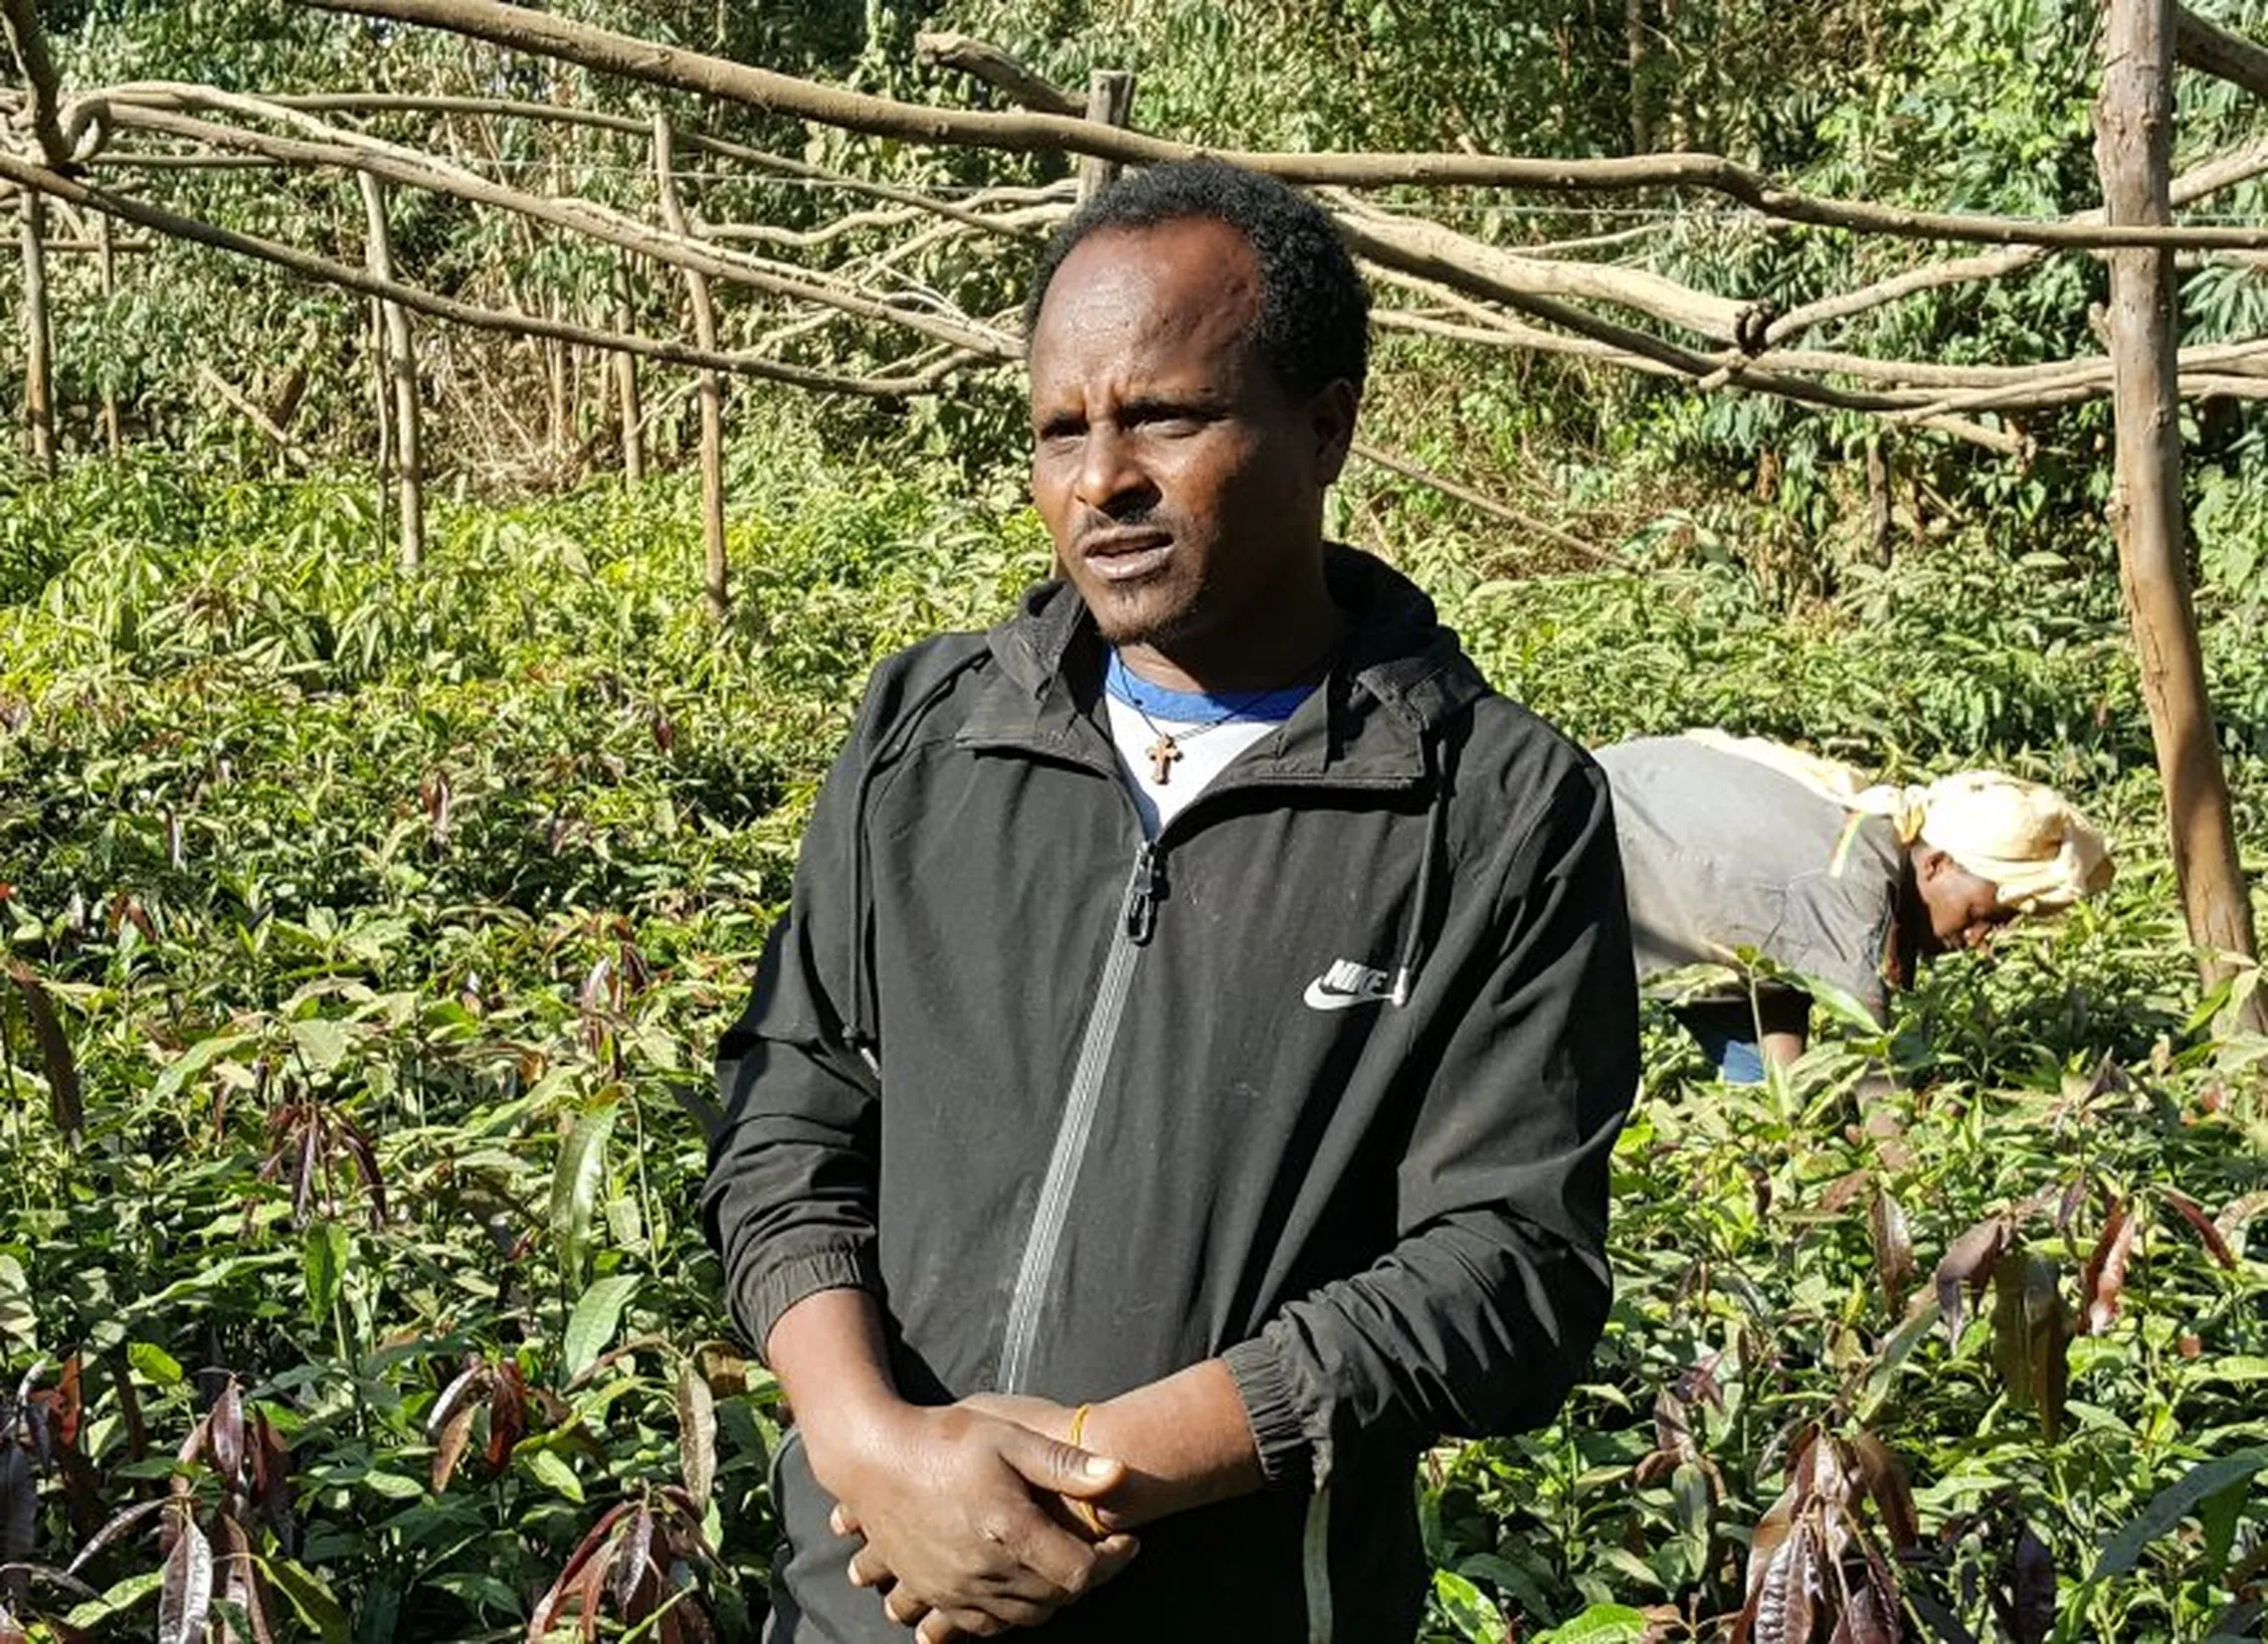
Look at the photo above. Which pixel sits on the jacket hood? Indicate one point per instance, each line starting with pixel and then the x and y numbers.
pixel 1398 649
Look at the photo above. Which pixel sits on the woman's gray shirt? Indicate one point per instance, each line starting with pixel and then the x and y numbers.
pixel 1721 853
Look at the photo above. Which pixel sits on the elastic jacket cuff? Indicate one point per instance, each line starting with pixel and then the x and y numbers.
pixel 1286 1458
pixel 777 1286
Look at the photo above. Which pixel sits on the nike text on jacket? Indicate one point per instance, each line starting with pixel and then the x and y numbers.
pixel 1323 1081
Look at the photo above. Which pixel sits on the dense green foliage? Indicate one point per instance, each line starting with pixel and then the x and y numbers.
pixel 331 884
pixel 362 939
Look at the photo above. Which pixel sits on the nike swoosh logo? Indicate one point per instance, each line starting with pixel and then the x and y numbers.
pixel 1320 995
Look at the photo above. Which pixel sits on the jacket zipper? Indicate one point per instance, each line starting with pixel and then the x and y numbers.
pixel 1137 918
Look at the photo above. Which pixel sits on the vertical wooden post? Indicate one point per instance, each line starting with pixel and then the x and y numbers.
pixel 39 345
pixel 402 374
pixel 626 378
pixel 1111 101
pixel 106 266
pixel 710 386
pixel 1638 53
pixel 2134 140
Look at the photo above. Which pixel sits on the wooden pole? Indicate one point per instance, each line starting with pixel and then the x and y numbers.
pixel 1110 102
pixel 2134 137
pixel 402 373
pixel 626 380
pixel 39 344
pixel 714 586
pixel 106 268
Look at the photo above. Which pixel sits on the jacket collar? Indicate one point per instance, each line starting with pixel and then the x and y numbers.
pixel 1399 676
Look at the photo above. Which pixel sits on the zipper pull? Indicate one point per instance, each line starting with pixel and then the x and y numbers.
pixel 1143 889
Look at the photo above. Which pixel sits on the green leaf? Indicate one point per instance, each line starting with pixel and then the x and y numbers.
pixel 549 1468
pixel 575 1183
pixel 321 1044
pixel 322 1261
pixel 2169 1506
pixel 1600 1624
pixel 591 1327
pixel 154 1362
pixel 1470 1610
pixel 19 1324
pixel 318 1607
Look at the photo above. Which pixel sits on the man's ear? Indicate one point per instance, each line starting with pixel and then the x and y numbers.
pixel 1331 413
pixel 1931 862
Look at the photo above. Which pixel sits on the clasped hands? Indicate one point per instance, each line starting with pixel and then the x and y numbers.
pixel 965 1517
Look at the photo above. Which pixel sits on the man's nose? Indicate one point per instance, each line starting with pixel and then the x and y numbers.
pixel 1110 475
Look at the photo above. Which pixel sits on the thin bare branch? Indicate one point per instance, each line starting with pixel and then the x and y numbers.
pixel 608 51
pixel 1407 469
pixel 310 265
pixel 2223 170
pixel 355 152
pixel 980 60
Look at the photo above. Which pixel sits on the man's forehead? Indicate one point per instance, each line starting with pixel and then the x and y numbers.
pixel 1187 274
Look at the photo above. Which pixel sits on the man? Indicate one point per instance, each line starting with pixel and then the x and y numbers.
pixel 1732 843
pixel 1183 1085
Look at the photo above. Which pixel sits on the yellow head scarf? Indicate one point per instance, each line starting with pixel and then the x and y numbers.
pixel 2028 840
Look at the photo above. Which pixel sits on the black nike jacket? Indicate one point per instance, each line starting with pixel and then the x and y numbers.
pixel 1322 1081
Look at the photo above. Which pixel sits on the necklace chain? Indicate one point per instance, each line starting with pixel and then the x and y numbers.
pixel 1167 747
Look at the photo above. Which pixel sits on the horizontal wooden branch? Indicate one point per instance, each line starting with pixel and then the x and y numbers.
pixel 2209 177
pixel 996 69
pixel 20 22
pixel 353 152
pixel 609 52
pixel 2223 53
pixel 310 266
pixel 1455 258
pixel 384 103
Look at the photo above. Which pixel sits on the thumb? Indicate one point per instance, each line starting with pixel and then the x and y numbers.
pixel 1065 1469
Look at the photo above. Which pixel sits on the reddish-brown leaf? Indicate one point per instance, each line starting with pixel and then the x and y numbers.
pixel 465 1389
pixel 129 1405
pixel 57 1065
pixel 633 1564
pixel 272 1492
pixel 228 1435
pixel 185 1595
pixel 2202 1226
pixel 1870 1612
pixel 2032 1335
pixel 19 1503
pixel 121 1524
pixel 241 1580
pixel 697 1433
pixel 358 1146
pixel 449 1448
pixel 1966 1265
pixel 2026 1605
pixel 507 1415
pixel 1893 1249
pixel 1844 1190
pixel 1880 1474
pixel 551 1607
pixel 2102 1283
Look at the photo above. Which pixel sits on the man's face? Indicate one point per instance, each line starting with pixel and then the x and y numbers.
pixel 1965 911
pixel 1183 484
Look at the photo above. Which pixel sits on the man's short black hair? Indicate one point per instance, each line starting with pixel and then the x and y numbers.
pixel 1314 321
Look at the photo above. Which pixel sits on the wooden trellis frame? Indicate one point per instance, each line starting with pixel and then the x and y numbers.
pixel 1470 290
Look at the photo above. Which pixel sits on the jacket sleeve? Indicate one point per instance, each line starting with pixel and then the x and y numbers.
pixel 1484 1312
pixel 788 1204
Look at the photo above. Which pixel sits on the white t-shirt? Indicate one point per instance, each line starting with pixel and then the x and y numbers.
pixel 1208 733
